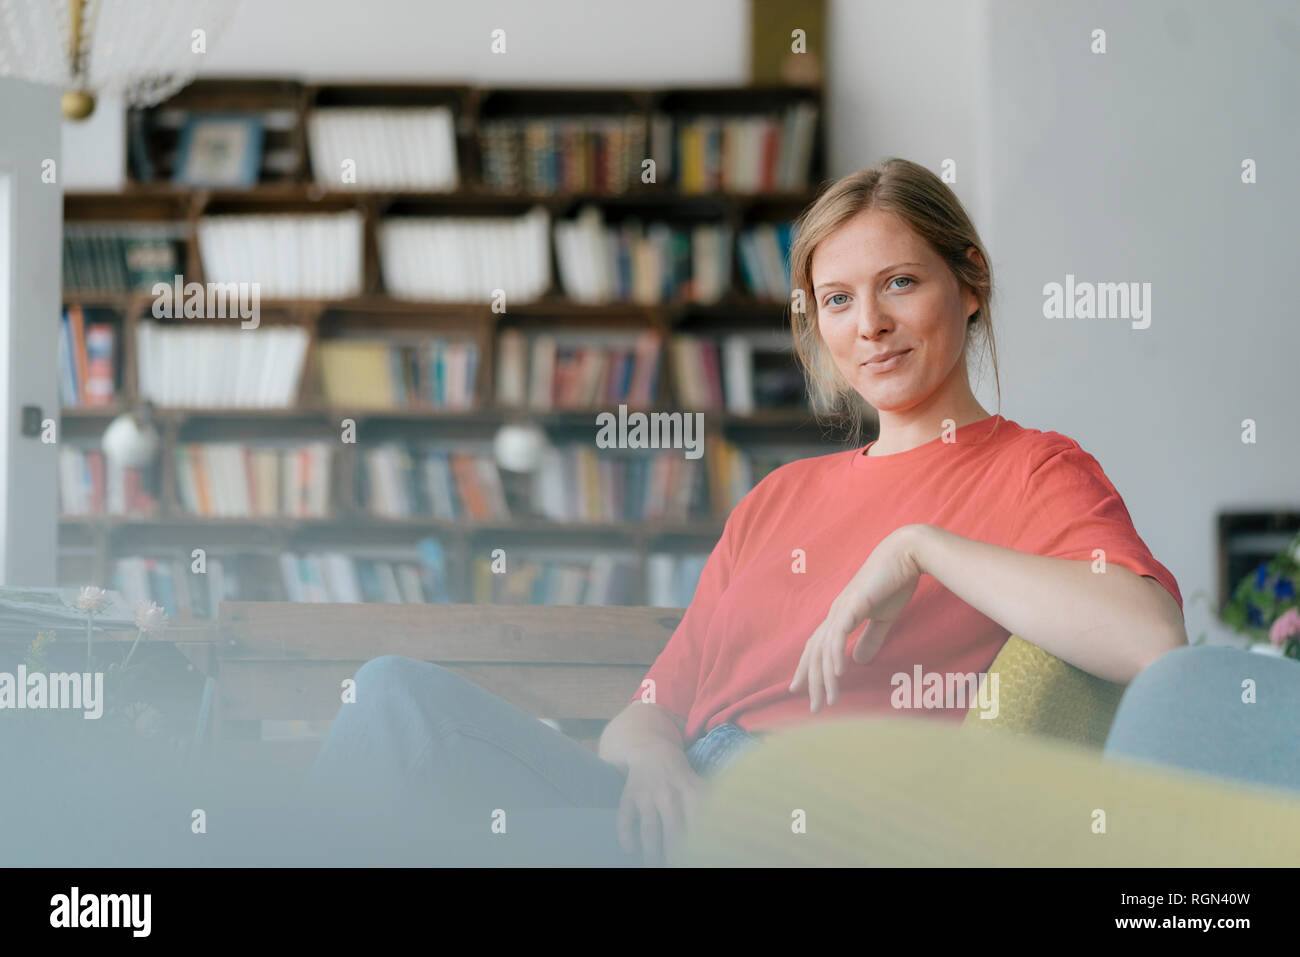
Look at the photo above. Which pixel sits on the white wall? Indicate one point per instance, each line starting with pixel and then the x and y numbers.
pixel 1121 167
pixel 552 42
pixel 1126 167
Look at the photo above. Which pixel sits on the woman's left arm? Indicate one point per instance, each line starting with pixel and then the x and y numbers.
pixel 1110 624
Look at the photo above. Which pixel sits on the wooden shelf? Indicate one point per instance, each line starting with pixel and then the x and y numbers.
pixel 490 416
pixel 187 200
pixel 101 539
pixel 705 529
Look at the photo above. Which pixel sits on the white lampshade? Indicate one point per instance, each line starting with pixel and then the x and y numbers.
pixel 128 443
pixel 519 448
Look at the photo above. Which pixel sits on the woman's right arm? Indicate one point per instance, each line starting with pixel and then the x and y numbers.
pixel 647 741
pixel 662 790
pixel 637 727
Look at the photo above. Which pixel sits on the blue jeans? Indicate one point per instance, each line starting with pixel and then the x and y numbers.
pixel 427 759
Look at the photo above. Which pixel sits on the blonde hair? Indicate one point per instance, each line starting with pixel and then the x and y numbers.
pixel 926 204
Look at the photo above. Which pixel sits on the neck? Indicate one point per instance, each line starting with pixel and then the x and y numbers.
pixel 925 422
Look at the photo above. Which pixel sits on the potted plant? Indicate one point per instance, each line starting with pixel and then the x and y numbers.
pixel 1265 606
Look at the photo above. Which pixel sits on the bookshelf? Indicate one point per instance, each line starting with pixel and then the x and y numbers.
pixel 546 138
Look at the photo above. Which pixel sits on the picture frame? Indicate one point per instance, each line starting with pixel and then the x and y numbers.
pixel 219 149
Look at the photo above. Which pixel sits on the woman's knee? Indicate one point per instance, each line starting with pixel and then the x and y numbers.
pixel 388 677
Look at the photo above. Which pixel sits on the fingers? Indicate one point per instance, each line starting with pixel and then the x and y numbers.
pixel 801 672
pixel 671 815
pixel 830 670
pixel 650 838
pixel 627 818
pixel 816 689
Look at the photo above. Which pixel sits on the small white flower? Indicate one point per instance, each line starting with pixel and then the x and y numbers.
pixel 145 718
pixel 150 616
pixel 92 599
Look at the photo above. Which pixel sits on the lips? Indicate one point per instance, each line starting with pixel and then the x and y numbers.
pixel 886 356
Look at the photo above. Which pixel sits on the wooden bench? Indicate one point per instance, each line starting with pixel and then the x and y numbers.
pixel 575 665
pixel 283 661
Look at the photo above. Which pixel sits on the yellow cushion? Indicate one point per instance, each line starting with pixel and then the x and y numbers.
pixel 1039 694
pixel 903 791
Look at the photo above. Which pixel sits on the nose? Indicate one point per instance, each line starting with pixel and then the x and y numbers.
pixel 873 319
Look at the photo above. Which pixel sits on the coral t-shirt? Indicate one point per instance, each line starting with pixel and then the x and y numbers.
pixel 734 654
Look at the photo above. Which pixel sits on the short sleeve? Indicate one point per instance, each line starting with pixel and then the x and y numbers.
pixel 676 671
pixel 1069 508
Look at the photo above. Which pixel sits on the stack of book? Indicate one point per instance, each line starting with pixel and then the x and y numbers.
pixel 210 367
pixel 646 264
pixel 576 484
pixel 744 153
pixel 288 255
pixel 89 484
pixel 398 481
pixel 173 585
pixel 765 260
pixel 334 576
pixel 383 374
pixel 697 373
pixel 394 148
pixel 396 576
pixel 87 360
pixel 671 579
pixel 602 579
pixel 119 257
pixel 466 258
pixel 234 480
pixel 733 471
pixel 740 373
pixel 577 154
pixel 576 371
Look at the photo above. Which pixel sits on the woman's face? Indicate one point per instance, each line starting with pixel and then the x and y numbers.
pixel 879 289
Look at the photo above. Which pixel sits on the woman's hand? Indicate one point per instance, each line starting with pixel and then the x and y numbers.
pixel 879 591
pixel 661 795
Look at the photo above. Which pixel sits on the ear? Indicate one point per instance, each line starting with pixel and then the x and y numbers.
pixel 974 256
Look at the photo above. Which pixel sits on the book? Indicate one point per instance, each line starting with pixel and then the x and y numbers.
pixel 408 148
pixel 288 255
pixel 647 263
pixel 236 480
pixel 466 258
pixel 210 367
pixel 562 154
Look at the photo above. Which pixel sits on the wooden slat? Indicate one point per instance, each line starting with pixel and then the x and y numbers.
pixel 311 690
pixel 553 634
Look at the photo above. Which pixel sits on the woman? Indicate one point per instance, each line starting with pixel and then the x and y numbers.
pixel 813 602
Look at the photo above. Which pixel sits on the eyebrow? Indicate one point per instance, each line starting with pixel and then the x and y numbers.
pixel 836 282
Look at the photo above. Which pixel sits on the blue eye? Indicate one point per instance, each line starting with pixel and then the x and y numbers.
pixel 830 300
pixel 904 278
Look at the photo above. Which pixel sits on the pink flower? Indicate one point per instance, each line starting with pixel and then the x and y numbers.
pixel 1285 627
pixel 92 599
pixel 149 616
